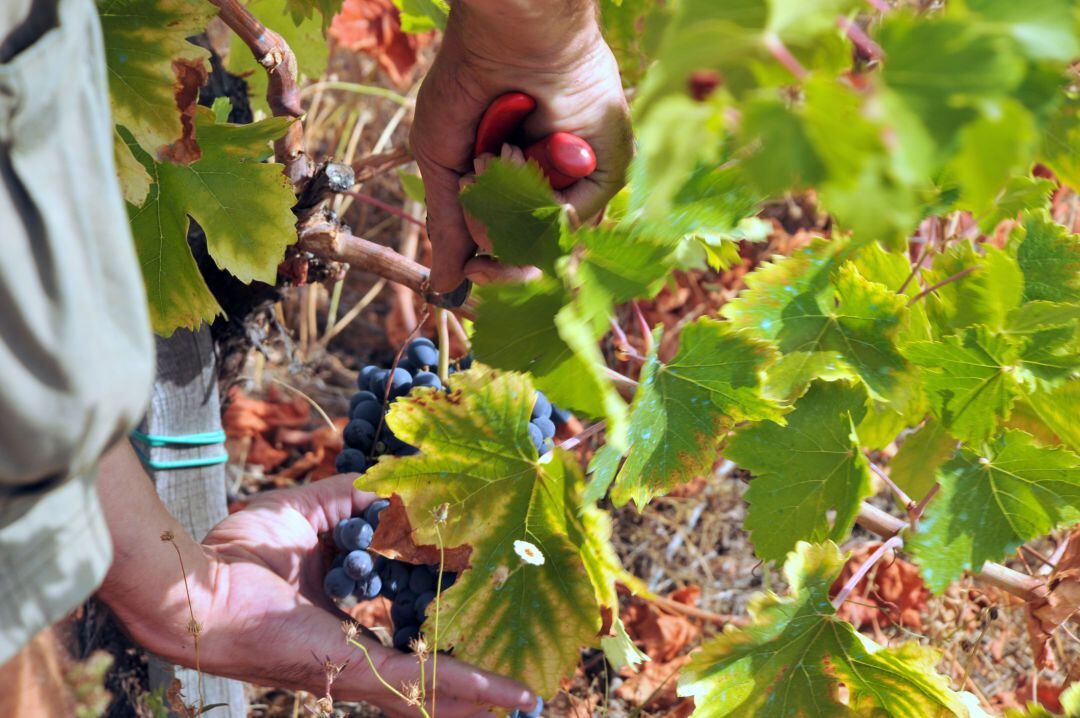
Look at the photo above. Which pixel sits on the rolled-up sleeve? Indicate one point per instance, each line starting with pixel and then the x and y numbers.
pixel 76 351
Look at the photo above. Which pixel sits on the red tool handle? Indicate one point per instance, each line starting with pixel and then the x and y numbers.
pixel 563 158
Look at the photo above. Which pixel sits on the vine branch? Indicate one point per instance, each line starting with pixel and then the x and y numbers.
pixel 328 240
pixel 282 91
pixel 1024 587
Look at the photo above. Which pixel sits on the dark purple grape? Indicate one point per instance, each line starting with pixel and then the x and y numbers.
pixel 408 366
pixel 378 383
pixel 403 613
pixel 351 461
pixel 560 416
pixel 338 561
pixel 546 426
pixel 358 398
pixel 423 601
pixel 337 584
pixel 406 450
pixel 465 362
pixel 541 407
pixel 536 436
pixel 404 636
pixel 448 579
pixel 422 352
pixel 369 588
pixel 426 379
pixel 356 534
pixel 358 565
pixel 421 580
pixel 370 410
pixel 336 533
pixel 363 380
pixel 359 434
pixel 371 513
pixel 395 579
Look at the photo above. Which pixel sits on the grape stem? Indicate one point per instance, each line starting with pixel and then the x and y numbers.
pixel 908 503
pixel 948 280
pixel 782 54
pixel 859 38
pixel 386 207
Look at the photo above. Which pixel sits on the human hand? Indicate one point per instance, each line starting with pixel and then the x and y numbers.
pixel 253 589
pixel 494 46
pixel 271 550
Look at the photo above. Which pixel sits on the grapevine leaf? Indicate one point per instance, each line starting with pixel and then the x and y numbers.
pixel 423 15
pixel 522 620
pixel 1049 257
pixel 992 149
pixel 304 10
pixel 1046 30
pixel 939 87
pixel 1040 315
pixel 303 30
pixel 854 322
pixel 796 653
pixel 620 650
pixel 795 20
pixel 614 265
pixel 518 328
pixel 242 204
pixel 774 286
pixel 524 221
pixel 134 179
pixel 149 60
pixel 914 468
pixel 985 296
pixel 993 501
pixel 970 379
pixel 1020 194
pixel 786 158
pixel 1060 140
pixel 820 467
pixel 1057 410
pixel 683 408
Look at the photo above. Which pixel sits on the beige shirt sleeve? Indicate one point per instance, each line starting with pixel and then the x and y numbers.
pixel 76 351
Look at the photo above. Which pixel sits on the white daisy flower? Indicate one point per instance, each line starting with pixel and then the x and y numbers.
pixel 529 553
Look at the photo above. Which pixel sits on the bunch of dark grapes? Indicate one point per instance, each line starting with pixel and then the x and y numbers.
pixel 355 572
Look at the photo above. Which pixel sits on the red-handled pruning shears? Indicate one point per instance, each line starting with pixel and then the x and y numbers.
pixel 564 158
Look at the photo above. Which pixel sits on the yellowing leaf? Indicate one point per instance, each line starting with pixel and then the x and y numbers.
pixel 796 653
pixel 143 39
pixel 522 620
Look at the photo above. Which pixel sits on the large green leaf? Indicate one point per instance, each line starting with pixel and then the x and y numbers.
pixel 1057 410
pixel 854 323
pixel 683 408
pixel 992 150
pixel 1049 257
pixel 804 470
pixel 522 620
pixel 146 48
pixel 969 378
pixel 517 207
pixel 531 327
pixel 795 655
pixel 985 296
pixel 242 204
pixel 992 501
pixel 1047 29
pixel 966 62
pixel 914 468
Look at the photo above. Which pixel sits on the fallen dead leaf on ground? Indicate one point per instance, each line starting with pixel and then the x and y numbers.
pixel 893 592
pixel 1061 603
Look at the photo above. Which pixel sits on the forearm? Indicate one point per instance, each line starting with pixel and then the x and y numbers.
pixel 272 641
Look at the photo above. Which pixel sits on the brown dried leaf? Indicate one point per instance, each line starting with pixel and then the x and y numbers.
pixel 893 592
pixel 1060 603
pixel 394 539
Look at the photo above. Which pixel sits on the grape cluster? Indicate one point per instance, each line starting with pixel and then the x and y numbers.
pixel 355 571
